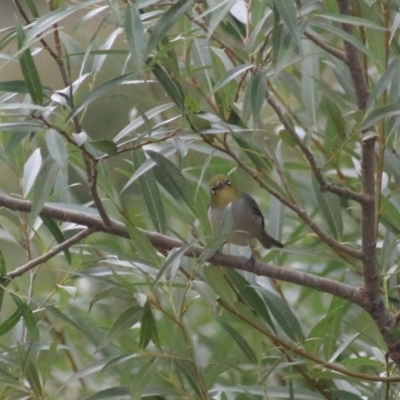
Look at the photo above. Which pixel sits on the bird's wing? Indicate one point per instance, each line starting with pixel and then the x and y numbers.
pixel 254 206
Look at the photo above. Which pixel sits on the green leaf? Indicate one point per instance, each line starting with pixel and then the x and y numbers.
pixel 325 333
pixel 42 188
pixel 258 89
pixel 390 214
pixel 378 114
pixel 215 277
pixel 241 342
pixel 251 147
pixel 21 126
pixel 218 13
pixel 345 395
pixel 97 92
pixel 16 86
pixel 309 84
pixel 29 371
pixel 105 146
pixel 329 204
pixel 187 369
pixel 287 11
pixel 3 280
pixel 57 234
pixel 57 149
pixel 150 192
pixel 148 330
pixel 123 323
pixel 31 171
pixel 166 22
pixel 11 321
pixel 141 379
pixel 169 176
pixel 392 164
pixel 28 68
pixel 170 85
pixel 134 35
pixel 345 36
pixel 32 8
pixel 142 246
pixel 231 75
pixel 283 315
pixel 172 262
pixel 113 393
pixel 30 321
pixel 249 295
pixel 349 19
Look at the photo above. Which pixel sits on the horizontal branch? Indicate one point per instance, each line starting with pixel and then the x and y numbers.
pixel 94 223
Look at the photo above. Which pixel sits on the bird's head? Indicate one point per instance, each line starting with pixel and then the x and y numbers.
pixel 223 191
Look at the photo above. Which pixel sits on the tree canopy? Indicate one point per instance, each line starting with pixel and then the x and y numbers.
pixel 114 116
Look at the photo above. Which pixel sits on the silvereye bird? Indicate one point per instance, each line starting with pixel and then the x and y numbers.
pixel 247 220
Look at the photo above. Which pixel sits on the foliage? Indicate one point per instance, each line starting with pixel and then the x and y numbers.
pixel 123 111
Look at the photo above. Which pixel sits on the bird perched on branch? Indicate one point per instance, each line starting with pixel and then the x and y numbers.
pixel 247 220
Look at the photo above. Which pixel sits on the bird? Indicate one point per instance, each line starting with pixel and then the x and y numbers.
pixel 247 219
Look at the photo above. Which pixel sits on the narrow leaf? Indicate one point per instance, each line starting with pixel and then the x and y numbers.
pixel 28 68
pixel 57 234
pixel 31 171
pixel 166 22
pixel 57 149
pixel 258 88
pixel 148 330
pixel 142 246
pixel 230 75
pixel 134 35
pixel 43 187
pixel 329 204
pixel 169 176
pixel 142 378
pixel 150 192
pixel 170 85
pixel 241 342
pixel 123 322
pixel 216 279
pixel 283 315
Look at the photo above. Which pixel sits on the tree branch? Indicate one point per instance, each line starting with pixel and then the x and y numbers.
pixel 357 72
pixel 324 185
pixel 375 304
pixel 323 45
pixel 55 250
pixel 158 240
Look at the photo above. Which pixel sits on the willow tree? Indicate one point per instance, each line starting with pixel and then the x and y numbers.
pixel 115 115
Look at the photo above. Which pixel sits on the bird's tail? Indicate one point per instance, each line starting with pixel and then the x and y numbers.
pixel 268 241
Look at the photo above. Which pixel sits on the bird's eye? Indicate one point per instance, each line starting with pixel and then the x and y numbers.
pixel 228 183
pixel 213 190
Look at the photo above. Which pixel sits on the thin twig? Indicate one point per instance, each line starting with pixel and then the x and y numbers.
pixel 323 45
pixel 55 56
pixel 292 348
pixel 55 250
pixel 96 198
pixel 64 134
pixel 324 185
